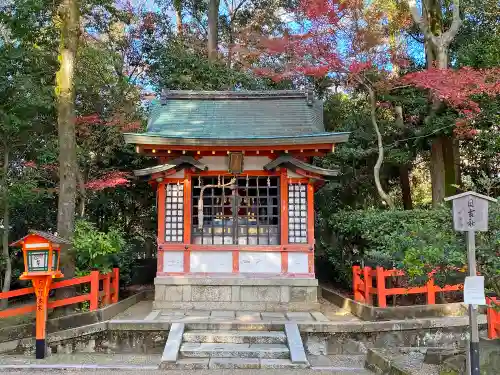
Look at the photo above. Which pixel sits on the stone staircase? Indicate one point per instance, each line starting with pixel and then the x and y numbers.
pixel 234 349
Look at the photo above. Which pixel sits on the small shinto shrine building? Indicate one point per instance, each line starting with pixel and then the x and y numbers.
pixel 235 197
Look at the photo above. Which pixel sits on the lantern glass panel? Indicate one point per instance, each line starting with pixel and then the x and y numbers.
pixel 55 257
pixel 38 260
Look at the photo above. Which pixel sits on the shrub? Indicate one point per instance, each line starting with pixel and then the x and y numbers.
pixel 96 250
pixel 417 241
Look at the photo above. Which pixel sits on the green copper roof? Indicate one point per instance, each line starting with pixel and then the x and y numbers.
pixel 235 115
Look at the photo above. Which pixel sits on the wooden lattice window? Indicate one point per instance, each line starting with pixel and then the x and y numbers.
pixel 174 213
pixel 297 213
pixel 246 213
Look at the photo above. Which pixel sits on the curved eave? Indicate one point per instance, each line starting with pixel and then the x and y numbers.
pixel 312 139
pixel 301 165
pixel 177 163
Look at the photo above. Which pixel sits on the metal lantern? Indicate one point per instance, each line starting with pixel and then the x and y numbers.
pixel 41 253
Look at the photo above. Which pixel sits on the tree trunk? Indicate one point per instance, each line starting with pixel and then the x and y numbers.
pixel 68 166
pixel 376 169
pixel 82 193
pixel 437 42
pixel 450 169
pixel 437 172
pixel 456 158
pixel 5 233
pixel 213 28
pixel 178 16
pixel 404 180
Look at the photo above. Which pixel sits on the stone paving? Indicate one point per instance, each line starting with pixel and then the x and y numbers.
pixel 144 311
pixel 185 372
pixel 96 363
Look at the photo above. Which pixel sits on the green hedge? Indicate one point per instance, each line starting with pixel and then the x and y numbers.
pixel 416 241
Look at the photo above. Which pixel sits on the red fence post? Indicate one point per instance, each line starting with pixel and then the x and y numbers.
pixel 493 320
pixel 116 285
pixel 355 282
pixel 106 287
pixel 368 284
pixel 431 291
pixel 382 301
pixel 94 290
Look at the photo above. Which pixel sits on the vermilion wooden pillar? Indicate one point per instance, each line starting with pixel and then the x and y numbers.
pixel 188 211
pixel 160 202
pixel 284 218
pixel 41 284
pixel 310 225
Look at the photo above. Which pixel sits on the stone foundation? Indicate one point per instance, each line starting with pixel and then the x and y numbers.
pixel 236 293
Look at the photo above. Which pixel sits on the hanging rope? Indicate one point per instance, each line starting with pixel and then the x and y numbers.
pixel 200 201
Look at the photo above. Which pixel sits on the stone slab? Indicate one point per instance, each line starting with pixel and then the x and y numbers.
pixel 234 350
pixel 368 312
pixel 210 293
pixel 238 305
pixel 234 363
pixel 248 316
pixel 260 293
pixel 273 315
pixel 319 317
pixel 299 316
pixel 170 293
pixel 222 314
pixel 174 340
pixel 303 294
pixel 235 280
pixel 153 315
pixel 187 364
pixel 280 364
pixel 236 337
pixel 204 313
pixel 297 353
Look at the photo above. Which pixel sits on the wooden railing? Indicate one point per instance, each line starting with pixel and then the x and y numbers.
pixel 108 294
pixel 493 318
pixel 364 291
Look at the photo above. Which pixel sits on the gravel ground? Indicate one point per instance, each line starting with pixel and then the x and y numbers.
pixel 185 372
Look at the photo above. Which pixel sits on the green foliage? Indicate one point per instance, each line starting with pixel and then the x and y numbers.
pixel 417 241
pixel 180 66
pixel 95 249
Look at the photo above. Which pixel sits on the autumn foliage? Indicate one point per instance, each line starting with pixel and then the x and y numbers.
pixel 354 43
pixel 460 89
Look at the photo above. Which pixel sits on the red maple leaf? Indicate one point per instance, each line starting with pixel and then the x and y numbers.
pixel 111 179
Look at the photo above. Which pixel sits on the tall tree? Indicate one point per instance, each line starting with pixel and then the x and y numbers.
pixel 25 108
pixel 213 28
pixel 65 92
pixel 444 149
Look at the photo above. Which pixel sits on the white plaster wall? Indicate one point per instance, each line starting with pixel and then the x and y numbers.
pixel 211 261
pixel 260 262
pixel 173 261
pixel 250 163
pixel 298 263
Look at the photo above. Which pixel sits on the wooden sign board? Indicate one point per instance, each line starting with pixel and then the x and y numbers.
pixel 470 211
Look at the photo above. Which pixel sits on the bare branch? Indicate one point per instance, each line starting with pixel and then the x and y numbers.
pixel 376 169
pixel 455 25
pixel 420 21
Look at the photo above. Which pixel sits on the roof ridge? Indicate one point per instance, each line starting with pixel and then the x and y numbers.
pixel 223 95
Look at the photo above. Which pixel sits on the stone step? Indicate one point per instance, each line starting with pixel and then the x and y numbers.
pixel 205 350
pixel 338 362
pixel 235 337
pixel 232 363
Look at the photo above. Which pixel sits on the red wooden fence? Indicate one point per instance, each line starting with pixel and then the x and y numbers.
pixel 108 294
pixel 493 318
pixel 364 291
